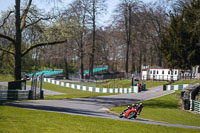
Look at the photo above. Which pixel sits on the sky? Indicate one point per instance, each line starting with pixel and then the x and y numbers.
pixel 6 4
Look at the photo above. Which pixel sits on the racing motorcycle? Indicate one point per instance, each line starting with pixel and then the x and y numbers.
pixel 132 111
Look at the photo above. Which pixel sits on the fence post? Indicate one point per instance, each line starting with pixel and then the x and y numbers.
pixel 41 91
pixel 191 107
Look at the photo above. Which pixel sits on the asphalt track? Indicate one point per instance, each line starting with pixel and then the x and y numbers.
pixel 98 106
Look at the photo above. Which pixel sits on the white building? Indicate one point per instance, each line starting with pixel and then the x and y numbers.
pixel 164 74
pixel 196 72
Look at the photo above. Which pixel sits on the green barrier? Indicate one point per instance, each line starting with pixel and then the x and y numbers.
pixel 197 106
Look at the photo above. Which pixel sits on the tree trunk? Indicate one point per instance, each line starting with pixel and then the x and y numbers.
pixel 160 62
pixel 66 68
pixel 81 50
pixel 17 42
pixel 82 67
pixel 140 62
pixel 1 60
pixel 152 56
pixel 128 36
pixel 93 40
pixel 133 64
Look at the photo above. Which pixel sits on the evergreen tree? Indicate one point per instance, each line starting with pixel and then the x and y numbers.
pixel 180 41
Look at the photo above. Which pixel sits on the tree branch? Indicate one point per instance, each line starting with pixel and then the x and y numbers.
pixel 4 50
pixel 42 44
pixel 7 38
pixel 4 21
pixel 23 19
pixel 36 22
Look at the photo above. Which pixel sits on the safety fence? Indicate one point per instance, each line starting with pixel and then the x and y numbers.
pixel 134 89
pixel 174 87
pixel 17 90
pixel 196 106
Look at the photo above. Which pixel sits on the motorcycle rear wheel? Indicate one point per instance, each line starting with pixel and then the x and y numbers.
pixel 132 115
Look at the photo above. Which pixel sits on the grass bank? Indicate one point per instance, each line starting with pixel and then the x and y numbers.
pixel 120 83
pixel 166 109
pixel 68 92
pixel 150 84
pixel 191 81
pixel 19 120
pixel 6 77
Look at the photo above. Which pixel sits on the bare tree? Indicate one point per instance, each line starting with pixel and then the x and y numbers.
pixel 157 20
pixel 21 24
pixel 125 14
pixel 78 13
pixel 97 7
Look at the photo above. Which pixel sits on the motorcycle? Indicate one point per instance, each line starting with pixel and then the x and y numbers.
pixel 132 111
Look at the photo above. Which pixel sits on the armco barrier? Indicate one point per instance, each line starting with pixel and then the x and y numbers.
pixel 134 89
pixel 174 87
pixel 196 106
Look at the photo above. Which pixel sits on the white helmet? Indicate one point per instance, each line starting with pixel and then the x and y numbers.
pixel 129 107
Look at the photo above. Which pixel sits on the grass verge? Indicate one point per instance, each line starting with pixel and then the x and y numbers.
pixel 6 77
pixel 192 81
pixel 108 83
pixel 68 92
pixel 120 83
pixel 150 84
pixel 166 109
pixel 19 120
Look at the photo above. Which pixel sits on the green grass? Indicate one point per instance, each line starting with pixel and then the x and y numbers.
pixel 150 84
pixel 68 92
pixel 166 109
pixel 109 83
pixel 17 120
pixel 6 77
pixel 115 83
pixel 192 81
pixel 121 83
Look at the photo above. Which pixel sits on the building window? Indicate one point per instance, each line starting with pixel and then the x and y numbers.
pixel 150 72
pixel 168 72
pixel 157 72
pixel 175 72
pixel 163 72
pixel 154 72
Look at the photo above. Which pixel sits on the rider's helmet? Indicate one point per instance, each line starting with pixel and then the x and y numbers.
pixel 141 104
pixel 133 105
pixel 129 107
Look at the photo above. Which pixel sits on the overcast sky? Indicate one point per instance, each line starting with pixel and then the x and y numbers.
pixel 5 4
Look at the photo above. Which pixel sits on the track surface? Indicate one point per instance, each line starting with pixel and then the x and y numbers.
pixel 98 106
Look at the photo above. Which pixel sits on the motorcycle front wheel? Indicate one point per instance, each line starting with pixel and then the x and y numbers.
pixel 121 115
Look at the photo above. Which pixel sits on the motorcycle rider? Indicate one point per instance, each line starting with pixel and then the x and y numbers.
pixel 129 107
pixel 138 109
pixel 140 106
